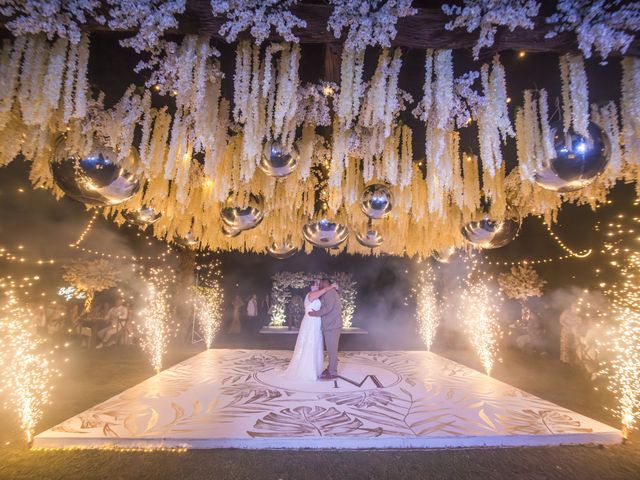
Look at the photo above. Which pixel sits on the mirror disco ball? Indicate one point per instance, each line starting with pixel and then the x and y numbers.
pixel 243 217
pixel 276 162
pixel 444 256
pixel 95 179
pixel 230 232
pixel 281 250
pixel 489 233
pixel 142 217
pixel 578 160
pixel 370 239
pixel 324 233
pixel 376 201
pixel 188 240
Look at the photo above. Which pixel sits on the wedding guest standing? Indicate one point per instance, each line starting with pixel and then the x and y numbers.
pixel 265 307
pixel 252 312
pixel 236 326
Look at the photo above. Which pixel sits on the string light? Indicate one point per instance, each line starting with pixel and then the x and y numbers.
pixel 113 448
pixel 86 230
pixel 7 255
pixel 535 261
pixel 428 308
pixel 571 252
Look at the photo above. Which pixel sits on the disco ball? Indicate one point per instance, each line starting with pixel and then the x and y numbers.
pixel 324 233
pixel 489 233
pixel 243 217
pixel 281 250
pixel 376 201
pixel 95 179
pixel 143 216
pixel 230 232
pixel 578 160
pixel 188 240
pixel 444 256
pixel 276 162
pixel 370 239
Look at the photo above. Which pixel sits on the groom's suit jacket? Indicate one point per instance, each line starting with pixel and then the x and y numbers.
pixel 331 311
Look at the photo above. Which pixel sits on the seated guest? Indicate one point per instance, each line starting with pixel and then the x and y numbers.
pixel 115 316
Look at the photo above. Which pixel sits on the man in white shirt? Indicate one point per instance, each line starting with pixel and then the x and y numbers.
pixel 116 317
pixel 252 312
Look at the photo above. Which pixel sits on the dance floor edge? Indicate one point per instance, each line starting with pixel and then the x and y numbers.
pixel 239 399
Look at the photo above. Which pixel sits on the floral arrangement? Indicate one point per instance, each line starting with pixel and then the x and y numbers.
pixel 198 150
pixel 91 276
pixel 283 282
pixel 521 283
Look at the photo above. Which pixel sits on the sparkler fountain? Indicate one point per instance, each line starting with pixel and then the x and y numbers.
pixel 26 371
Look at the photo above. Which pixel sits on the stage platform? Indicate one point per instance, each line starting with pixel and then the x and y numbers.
pixel 278 330
pixel 239 399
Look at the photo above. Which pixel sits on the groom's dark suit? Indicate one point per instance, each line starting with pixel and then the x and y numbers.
pixel 331 315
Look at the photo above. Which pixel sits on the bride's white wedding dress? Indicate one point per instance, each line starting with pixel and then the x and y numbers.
pixel 308 356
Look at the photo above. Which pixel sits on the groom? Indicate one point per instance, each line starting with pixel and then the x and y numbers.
pixel 331 315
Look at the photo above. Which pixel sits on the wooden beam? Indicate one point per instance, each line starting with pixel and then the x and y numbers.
pixel 332 54
pixel 420 31
pixel 423 30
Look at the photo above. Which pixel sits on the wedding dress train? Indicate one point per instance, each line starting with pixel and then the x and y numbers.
pixel 308 356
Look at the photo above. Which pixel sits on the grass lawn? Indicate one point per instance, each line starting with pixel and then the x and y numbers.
pixel 94 376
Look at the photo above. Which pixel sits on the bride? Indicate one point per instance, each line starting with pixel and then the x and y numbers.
pixel 308 356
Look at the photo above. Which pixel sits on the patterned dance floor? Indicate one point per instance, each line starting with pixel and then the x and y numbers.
pixel 239 399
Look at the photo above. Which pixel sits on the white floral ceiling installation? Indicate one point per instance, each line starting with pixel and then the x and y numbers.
pixel 198 149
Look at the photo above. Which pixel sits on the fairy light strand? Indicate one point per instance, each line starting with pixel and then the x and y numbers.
pixel 86 231
pixel 561 244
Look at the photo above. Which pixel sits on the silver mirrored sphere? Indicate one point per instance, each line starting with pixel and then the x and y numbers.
pixel 276 162
pixel 370 238
pixel 230 232
pixel 187 241
pixel 243 217
pixel 488 233
pixel 281 249
pixel 95 179
pixel 142 217
pixel 445 255
pixel 325 233
pixel 376 201
pixel 578 160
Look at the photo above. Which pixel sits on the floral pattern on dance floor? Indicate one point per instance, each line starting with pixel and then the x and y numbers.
pixel 239 398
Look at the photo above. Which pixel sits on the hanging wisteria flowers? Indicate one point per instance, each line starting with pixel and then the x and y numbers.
pixel 257 16
pixel 488 15
pixel 575 94
pixel 601 25
pixel 368 22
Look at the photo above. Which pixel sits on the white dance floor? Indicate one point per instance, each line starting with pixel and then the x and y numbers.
pixel 238 399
